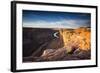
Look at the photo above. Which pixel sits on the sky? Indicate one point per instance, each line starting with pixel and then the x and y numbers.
pixel 55 19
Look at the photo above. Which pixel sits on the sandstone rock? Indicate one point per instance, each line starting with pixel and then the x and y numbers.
pixel 52 54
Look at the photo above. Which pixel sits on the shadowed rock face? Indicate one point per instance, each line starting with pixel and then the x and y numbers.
pixel 33 39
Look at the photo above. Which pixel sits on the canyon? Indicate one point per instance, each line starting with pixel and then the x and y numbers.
pixel 49 44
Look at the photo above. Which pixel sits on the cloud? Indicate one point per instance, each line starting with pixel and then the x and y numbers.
pixel 63 23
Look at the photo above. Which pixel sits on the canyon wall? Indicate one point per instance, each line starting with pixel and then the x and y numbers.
pixel 76 38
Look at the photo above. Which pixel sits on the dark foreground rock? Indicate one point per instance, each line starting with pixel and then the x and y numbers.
pixel 60 55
